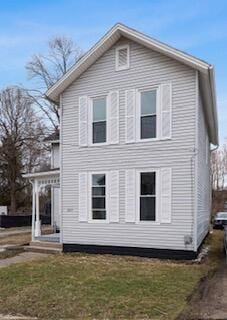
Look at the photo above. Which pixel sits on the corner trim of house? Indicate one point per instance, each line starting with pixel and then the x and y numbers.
pixel 202 242
pixel 196 163
pixel 131 251
pixel 61 169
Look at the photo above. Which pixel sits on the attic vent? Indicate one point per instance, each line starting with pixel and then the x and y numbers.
pixel 122 58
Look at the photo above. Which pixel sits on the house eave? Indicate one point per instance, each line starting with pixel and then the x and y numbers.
pixel 208 92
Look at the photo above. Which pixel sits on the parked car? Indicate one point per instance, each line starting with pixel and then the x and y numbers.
pixel 220 220
pixel 225 242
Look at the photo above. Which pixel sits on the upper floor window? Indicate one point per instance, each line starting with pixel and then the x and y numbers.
pixel 148 117
pixel 99 120
pixel 122 58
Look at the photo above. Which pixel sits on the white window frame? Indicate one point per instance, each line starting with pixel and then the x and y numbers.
pixel 138 114
pixel 127 66
pixel 90 218
pixel 90 120
pixel 157 195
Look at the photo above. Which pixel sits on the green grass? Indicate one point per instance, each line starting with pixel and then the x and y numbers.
pixel 19 239
pixel 101 287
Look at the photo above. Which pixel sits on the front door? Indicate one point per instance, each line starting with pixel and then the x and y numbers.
pixel 56 207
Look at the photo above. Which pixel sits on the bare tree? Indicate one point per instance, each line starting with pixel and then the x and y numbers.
pixel 219 168
pixel 46 69
pixel 20 133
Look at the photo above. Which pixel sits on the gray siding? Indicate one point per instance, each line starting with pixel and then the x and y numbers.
pixel 203 178
pixel 55 155
pixel 147 68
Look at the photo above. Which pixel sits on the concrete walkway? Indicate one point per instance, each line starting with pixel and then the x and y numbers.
pixel 22 257
pixel 9 317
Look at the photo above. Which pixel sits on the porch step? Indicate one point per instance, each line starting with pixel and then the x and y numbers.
pixel 43 250
pixel 44 247
pixel 46 244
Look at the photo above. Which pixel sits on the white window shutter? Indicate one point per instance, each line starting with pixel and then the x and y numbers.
pixel 83 196
pixel 166 110
pixel 113 205
pixel 113 117
pixel 130 115
pixel 165 194
pixel 130 195
pixel 83 121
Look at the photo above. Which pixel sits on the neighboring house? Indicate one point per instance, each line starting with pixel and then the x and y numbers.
pixel 137 120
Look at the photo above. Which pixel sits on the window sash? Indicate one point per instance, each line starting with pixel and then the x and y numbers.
pixel 148 208
pixel 99 108
pixel 147 131
pixel 149 104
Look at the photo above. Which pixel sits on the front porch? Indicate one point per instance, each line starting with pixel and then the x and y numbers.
pixel 39 181
pixel 52 237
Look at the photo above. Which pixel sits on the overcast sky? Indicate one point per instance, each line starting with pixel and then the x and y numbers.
pixel 197 27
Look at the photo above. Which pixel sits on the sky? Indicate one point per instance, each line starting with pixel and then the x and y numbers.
pixel 197 27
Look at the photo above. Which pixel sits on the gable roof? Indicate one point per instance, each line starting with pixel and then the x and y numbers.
pixel 205 70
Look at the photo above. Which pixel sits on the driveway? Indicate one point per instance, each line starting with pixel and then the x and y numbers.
pixel 210 302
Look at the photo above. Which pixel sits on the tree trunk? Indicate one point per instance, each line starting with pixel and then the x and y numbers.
pixel 13 201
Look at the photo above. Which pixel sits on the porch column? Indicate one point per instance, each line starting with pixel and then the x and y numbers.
pixel 37 220
pixel 33 209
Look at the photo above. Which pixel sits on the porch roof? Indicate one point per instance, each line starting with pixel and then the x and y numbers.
pixel 43 174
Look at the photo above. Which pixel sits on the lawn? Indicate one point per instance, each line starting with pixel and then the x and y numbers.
pixel 19 239
pixel 102 287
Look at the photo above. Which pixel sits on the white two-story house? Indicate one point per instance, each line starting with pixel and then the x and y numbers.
pixel 137 121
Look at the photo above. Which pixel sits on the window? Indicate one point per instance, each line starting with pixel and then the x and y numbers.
pixel 122 58
pixel 98 197
pixel 147 196
pixel 99 120
pixel 148 101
